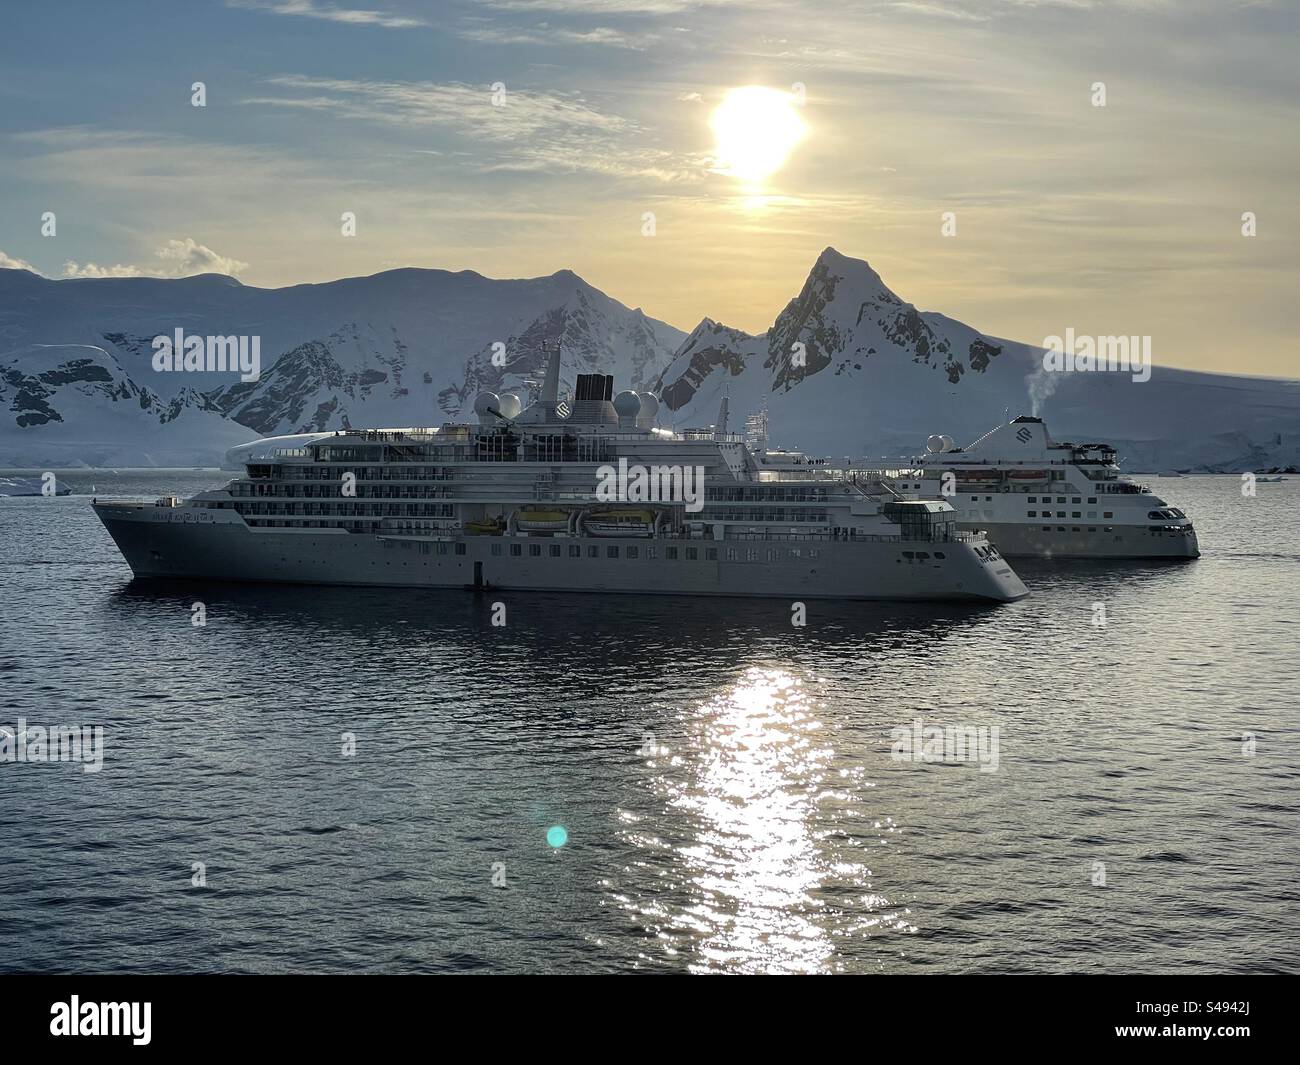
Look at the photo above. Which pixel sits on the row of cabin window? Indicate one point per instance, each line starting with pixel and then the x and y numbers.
pixel 1034 499
pixel 348 525
pixel 690 554
pixel 347 509
pixel 1073 514
pixel 1076 528
pixel 334 490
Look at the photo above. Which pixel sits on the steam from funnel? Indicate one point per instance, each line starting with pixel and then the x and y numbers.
pixel 1040 385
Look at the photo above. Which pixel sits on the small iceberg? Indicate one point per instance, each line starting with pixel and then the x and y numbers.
pixel 31 486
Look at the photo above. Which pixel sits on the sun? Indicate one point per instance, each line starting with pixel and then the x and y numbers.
pixel 756 130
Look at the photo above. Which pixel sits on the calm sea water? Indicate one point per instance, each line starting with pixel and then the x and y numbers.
pixel 721 781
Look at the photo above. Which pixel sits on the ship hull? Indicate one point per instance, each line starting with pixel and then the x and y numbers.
pixel 213 547
pixel 1016 540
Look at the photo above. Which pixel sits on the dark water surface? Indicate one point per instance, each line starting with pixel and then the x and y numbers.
pixel 724 779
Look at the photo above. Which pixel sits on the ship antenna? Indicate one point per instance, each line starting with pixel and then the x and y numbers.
pixel 551 385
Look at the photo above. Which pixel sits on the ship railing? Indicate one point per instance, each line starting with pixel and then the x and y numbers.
pixel 418 526
pixel 827 537
pixel 136 501
pixel 388 435
pixel 822 471
pixel 801 473
pixel 763 536
pixel 869 485
pixel 699 435
pixel 956 464
pixel 886 473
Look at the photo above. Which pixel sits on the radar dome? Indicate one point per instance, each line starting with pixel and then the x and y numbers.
pixel 649 404
pixel 948 442
pixel 486 403
pixel 934 445
pixel 627 404
pixel 510 405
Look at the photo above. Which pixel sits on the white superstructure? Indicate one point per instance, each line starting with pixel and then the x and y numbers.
pixel 1034 496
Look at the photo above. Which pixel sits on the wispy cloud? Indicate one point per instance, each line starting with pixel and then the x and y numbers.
pixel 611 7
pixel 543 34
pixel 528 130
pixel 467 108
pixel 957 12
pixel 121 162
pixel 391 119
pixel 329 13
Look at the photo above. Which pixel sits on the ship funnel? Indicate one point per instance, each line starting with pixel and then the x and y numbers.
pixel 592 394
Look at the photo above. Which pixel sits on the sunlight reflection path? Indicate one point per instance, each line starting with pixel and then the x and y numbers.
pixel 768 879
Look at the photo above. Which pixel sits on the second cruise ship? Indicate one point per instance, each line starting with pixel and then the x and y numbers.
pixel 1036 497
pixel 589 496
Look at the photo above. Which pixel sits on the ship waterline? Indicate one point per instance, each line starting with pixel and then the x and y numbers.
pixel 521 501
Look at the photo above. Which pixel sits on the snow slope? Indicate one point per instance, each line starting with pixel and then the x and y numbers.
pixel 73 404
pixel 847 368
pixel 405 347
pixel 878 377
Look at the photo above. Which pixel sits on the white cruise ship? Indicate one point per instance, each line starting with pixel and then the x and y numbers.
pixel 522 500
pixel 1035 497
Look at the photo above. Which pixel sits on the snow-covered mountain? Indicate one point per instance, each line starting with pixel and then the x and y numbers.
pixel 405 347
pixel 73 404
pixel 849 368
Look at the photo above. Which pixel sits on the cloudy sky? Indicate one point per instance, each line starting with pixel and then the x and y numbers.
pixel 1123 218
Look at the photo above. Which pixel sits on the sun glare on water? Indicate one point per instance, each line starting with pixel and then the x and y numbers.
pixel 756 130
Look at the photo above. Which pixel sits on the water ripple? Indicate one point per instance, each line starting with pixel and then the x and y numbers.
pixel 728 786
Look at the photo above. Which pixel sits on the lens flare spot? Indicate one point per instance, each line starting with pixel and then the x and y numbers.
pixel 557 836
